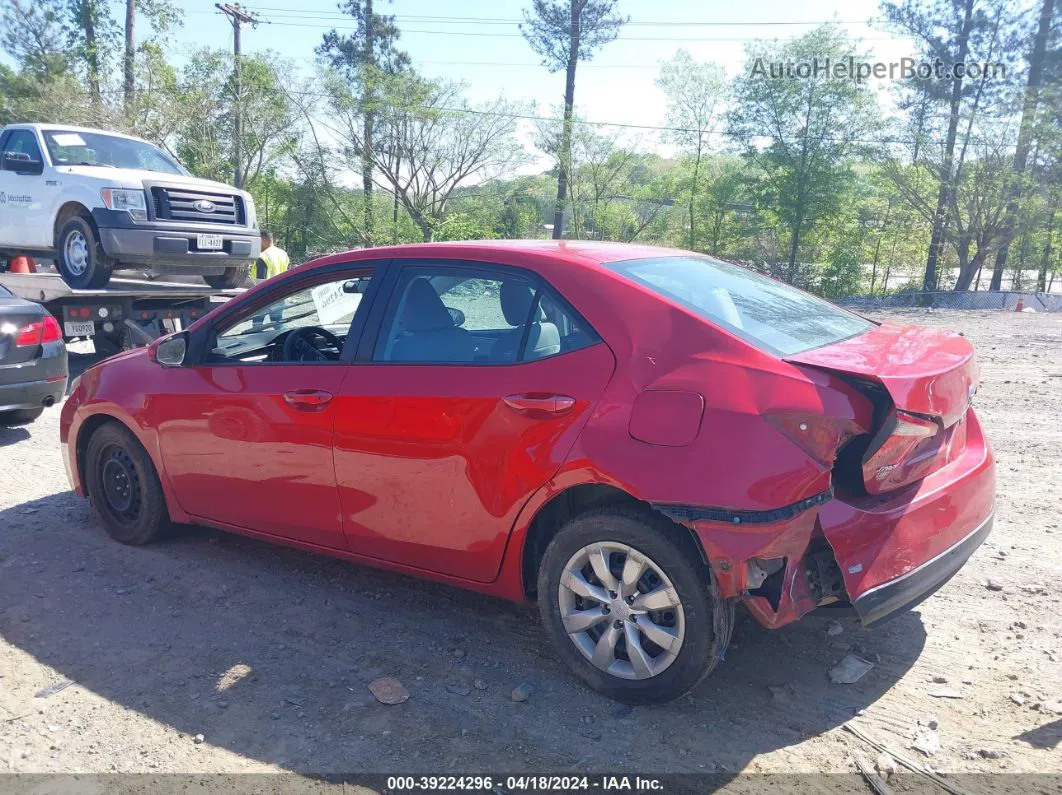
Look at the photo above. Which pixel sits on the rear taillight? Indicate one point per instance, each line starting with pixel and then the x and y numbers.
pixel 30 336
pixel 820 437
pixel 39 332
pixel 906 445
pixel 52 332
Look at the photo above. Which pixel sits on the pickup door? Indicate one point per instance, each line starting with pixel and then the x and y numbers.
pixel 25 195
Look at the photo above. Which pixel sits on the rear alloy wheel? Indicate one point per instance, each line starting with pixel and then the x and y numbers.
pixel 124 486
pixel 82 261
pixel 630 607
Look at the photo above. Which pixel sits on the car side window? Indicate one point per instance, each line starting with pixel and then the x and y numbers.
pixel 308 324
pixel 461 315
pixel 23 142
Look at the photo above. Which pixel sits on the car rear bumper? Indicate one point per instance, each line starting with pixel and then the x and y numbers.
pixel 893 550
pixel 175 244
pixel 886 601
pixel 38 382
pixel 32 394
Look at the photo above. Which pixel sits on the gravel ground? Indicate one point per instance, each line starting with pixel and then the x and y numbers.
pixel 212 653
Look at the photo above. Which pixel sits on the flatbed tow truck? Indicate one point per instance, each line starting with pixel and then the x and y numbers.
pixel 127 313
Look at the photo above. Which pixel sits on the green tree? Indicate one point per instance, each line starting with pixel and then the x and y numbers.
pixel 361 58
pixel 800 135
pixel 562 33
pixel 695 94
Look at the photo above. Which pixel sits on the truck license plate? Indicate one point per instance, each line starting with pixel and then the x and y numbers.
pixel 208 242
pixel 75 329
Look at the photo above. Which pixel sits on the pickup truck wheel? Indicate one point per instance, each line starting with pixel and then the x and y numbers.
pixel 232 277
pixel 82 262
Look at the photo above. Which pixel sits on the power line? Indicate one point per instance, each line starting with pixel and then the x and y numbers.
pixel 621 125
pixel 494 35
pixel 447 19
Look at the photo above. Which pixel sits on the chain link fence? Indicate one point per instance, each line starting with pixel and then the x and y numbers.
pixel 950 299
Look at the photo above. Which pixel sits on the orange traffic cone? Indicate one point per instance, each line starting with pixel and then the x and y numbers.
pixel 1021 304
pixel 22 265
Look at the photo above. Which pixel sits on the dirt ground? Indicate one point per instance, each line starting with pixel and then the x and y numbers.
pixel 114 659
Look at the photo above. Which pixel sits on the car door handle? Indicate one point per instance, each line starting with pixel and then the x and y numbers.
pixel 308 399
pixel 540 406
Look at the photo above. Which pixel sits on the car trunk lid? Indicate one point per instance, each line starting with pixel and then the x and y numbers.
pixel 929 378
pixel 15 315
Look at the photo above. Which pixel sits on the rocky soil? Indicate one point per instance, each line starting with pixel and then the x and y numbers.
pixel 211 653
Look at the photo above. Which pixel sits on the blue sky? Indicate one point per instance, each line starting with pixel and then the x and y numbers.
pixel 493 59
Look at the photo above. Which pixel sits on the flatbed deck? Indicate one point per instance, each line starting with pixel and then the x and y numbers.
pixel 46 287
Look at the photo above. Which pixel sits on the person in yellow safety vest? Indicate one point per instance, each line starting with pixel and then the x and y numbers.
pixel 272 260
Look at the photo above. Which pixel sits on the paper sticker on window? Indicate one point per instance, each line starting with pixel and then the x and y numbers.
pixel 68 139
pixel 334 305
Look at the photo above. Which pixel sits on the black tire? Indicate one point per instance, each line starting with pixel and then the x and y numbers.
pixel 19 416
pixel 708 620
pixel 94 271
pixel 116 465
pixel 232 277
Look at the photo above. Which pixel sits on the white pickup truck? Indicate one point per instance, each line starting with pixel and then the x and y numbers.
pixel 97 201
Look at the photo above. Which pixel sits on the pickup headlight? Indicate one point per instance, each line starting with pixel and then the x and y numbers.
pixel 252 212
pixel 132 201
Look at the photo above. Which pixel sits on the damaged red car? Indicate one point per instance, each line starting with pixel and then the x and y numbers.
pixel 637 438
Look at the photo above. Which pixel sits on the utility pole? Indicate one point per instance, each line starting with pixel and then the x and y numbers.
pixel 238 17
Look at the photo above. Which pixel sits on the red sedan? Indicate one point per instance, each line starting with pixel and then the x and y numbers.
pixel 637 438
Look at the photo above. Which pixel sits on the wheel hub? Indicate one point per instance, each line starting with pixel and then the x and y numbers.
pixel 621 611
pixel 77 253
pixel 120 484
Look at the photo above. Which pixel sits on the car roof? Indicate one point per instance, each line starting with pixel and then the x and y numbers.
pixel 574 252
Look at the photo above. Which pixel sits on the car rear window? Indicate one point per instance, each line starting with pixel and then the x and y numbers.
pixel 4 291
pixel 769 314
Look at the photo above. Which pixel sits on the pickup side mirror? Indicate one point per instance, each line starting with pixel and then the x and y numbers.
pixel 171 351
pixel 21 163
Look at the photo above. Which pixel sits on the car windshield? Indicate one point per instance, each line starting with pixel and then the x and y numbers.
pixel 4 292
pixel 80 148
pixel 769 314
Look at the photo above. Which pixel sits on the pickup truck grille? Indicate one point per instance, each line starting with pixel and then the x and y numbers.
pixel 180 204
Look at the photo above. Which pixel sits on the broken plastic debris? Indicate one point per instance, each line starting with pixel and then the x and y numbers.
pixel 850 670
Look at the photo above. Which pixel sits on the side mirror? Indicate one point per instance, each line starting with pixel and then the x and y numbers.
pixel 171 351
pixel 457 315
pixel 21 163
pixel 355 286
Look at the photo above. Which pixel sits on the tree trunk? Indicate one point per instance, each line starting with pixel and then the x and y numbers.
pixel 693 196
pixel 968 268
pixel 1041 278
pixel 427 231
pixel 92 56
pixel 130 54
pixel 794 247
pixel 367 125
pixel 877 247
pixel 1025 133
pixel 717 229
pixel 936 238
pixel 564 161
